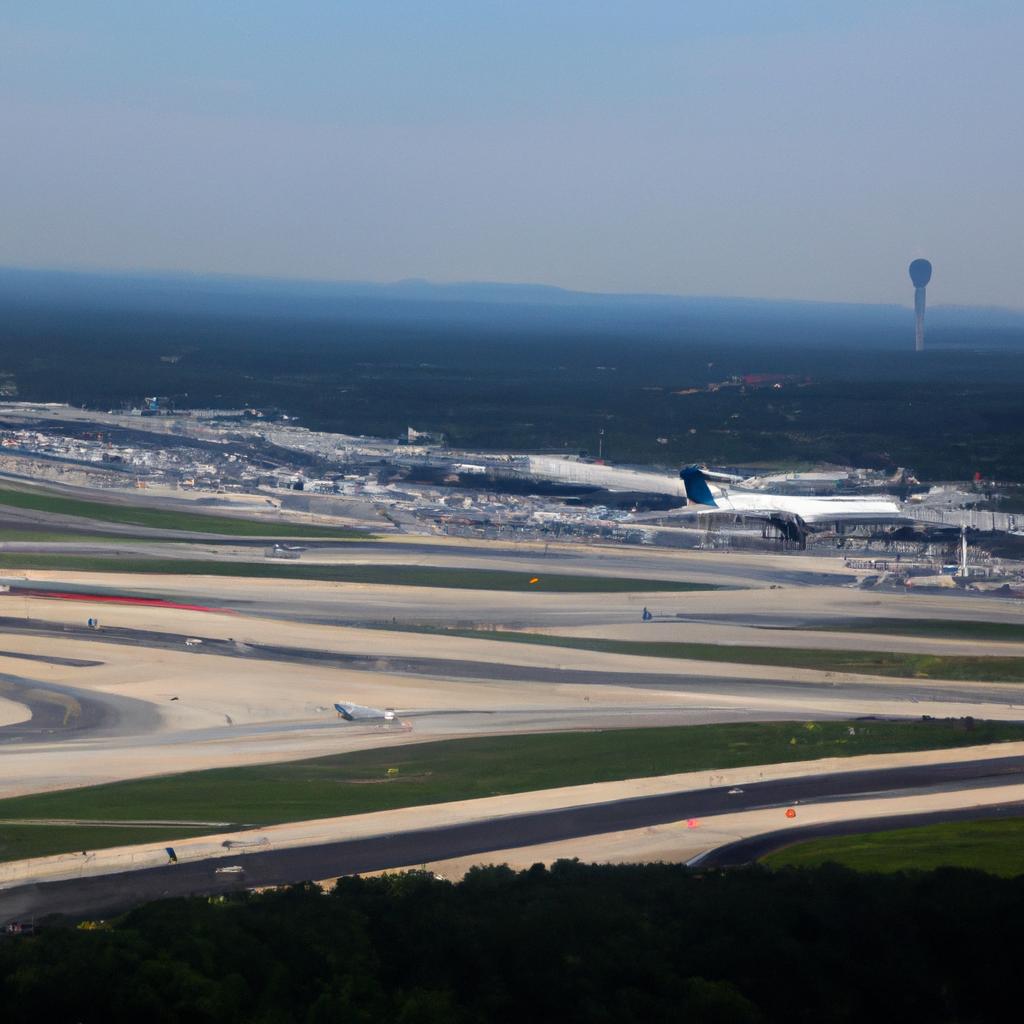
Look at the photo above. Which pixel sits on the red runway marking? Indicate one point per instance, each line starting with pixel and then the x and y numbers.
pixel 153 602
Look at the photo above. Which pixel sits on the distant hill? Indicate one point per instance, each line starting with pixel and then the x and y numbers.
pixel 517 306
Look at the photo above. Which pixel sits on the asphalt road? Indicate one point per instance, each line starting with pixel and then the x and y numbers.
pixel 746 851
pixel 98 714
pixel 107 894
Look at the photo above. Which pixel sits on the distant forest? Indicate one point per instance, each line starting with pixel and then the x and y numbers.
pixel 496 367
pixel 622 945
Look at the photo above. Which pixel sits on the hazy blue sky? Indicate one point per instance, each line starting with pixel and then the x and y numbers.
pixel 779 148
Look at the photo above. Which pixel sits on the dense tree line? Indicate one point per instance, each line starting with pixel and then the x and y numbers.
pixel 848 392
pixel 574 943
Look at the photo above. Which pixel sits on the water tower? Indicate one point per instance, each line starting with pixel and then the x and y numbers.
pixel 920 274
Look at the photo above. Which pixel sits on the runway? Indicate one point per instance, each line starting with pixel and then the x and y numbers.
pixel 209 671
pixel 168 706
pixel 680 679
pixel 107 894
pixel 226 701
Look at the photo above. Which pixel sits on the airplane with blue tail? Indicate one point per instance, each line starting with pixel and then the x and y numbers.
pixel 794 516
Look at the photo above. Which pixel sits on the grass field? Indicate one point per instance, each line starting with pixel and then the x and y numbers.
pixel 878 663
pixel 389 575
pixel 946 629
pixel 164 519
pixel 428 773
pixel 109 539
pixel 51 537
pixel 19 841
pixel 993 846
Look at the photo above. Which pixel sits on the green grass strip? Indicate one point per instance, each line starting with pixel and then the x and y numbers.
pixel 995 846
pixel 387 574
pixel 437 772
pixel 112 539
pixel 21 841
pixel 878 663
pixel 44 537
pixel 944 629
pixel 164 519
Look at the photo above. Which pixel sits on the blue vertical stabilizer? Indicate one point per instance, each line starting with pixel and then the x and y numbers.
pixel 697 490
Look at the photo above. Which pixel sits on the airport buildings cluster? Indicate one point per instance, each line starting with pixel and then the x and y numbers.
pixel 417 484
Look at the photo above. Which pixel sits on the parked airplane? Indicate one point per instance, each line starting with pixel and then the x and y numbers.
pixel 793 516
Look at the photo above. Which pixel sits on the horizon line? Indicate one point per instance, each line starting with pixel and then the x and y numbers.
pixel 142 273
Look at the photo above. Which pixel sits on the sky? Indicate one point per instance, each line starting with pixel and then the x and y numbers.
pixel 802 149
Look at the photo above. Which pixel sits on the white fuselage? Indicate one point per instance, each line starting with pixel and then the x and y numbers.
pixel 808 509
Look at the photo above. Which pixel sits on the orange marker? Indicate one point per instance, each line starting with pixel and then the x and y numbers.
pixel 535 579
pixel 790 813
